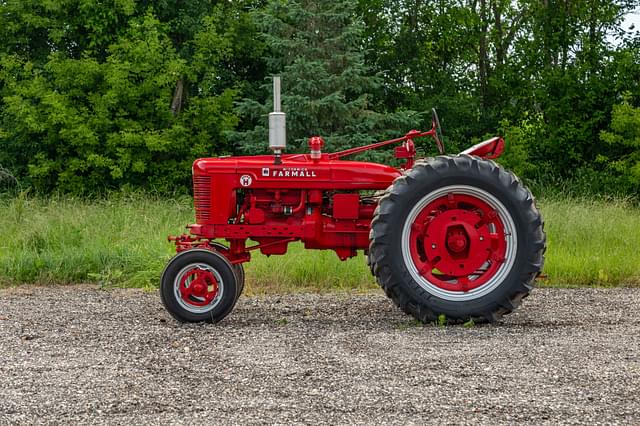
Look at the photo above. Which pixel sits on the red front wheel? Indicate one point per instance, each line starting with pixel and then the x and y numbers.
pixel 458 236
pixel 199 285
pixel 238 269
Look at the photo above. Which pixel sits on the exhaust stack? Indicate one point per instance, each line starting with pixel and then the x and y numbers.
pixel 277 124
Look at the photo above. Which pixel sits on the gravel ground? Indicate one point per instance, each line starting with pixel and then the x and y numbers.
pixel 81 355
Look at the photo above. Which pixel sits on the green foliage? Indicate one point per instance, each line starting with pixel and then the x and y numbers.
pixel 424 52
pixel 132 110
pixel 99 95
pixel 327 87
pixel 624 140
pixel 56 240
pixel 33 29
pixel 494 64
pixel 519 140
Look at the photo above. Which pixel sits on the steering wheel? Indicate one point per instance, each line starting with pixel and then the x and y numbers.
pixel 437 134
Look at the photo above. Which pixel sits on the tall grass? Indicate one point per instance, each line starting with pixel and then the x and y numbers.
pixel 122 241
pixel 66 240
pixel 592 242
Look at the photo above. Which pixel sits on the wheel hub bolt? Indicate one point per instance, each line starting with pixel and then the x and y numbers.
pixel 457 242
pixel 198 289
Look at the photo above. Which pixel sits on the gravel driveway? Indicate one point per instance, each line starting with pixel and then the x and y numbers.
pixel 82 355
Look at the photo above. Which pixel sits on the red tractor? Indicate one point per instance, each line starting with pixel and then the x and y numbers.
pixel 453 235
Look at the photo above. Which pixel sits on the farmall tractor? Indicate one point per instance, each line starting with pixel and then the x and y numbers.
pixel 453 235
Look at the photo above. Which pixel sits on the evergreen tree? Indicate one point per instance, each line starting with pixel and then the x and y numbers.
pixel 316 46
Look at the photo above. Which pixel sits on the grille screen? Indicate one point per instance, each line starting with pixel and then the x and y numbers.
pixel 202 198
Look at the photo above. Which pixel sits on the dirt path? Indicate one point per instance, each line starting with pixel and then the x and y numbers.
pixel 78 354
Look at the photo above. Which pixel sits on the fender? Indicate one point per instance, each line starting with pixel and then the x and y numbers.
pixel 488 150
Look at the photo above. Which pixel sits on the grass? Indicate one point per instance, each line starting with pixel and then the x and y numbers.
pixel 122 241
pixel 65 240
pixel 592 242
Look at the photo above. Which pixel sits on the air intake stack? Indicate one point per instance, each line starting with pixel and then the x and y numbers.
pixel 277 124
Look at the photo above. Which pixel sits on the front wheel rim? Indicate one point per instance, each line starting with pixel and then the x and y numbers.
pixel 459 242
pixel 198 288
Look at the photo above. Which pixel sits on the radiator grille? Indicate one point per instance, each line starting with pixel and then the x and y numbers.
pixel 202 198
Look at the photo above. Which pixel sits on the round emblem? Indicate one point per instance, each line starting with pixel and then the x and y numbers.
pixel 245 180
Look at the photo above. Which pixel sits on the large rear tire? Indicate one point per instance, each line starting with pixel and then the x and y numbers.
pixel 457 236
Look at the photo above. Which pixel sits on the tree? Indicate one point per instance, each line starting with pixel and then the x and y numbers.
pixel 623 137
pixel 316 46
pixel 571 76
pixel 103 94
pixel 131 109
pixel 424 50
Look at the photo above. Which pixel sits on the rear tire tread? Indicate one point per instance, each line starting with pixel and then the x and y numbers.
pixel 382 226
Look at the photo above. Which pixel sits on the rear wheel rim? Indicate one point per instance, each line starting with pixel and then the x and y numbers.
pixel 198 288
pixel 459 242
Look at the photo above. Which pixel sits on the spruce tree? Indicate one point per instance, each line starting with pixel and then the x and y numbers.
pixel 317 48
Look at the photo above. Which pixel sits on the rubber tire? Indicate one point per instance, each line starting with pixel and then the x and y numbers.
pixel 424 178
pixel 238 269
pixel 218 262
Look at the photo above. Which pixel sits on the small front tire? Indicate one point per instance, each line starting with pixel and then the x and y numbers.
pixel 199 285
pixel 238 269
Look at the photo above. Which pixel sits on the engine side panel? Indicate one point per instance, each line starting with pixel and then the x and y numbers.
pixel 217 180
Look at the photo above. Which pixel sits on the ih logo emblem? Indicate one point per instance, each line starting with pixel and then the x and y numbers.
pixel 265 171
pixel 245 180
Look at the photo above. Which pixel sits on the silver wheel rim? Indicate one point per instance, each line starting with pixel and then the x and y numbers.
pixel 511 240
pixel 192 308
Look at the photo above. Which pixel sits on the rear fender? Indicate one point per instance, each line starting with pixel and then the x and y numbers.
pixel 489 149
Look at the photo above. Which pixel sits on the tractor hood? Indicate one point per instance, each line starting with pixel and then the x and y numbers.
pixel 296 171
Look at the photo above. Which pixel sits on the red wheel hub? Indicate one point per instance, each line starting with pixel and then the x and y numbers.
pixel 198 287
pixel 457 242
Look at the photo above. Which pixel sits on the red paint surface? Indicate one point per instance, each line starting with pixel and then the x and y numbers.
pixel 325 202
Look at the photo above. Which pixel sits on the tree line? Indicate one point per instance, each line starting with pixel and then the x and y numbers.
pixel 101 95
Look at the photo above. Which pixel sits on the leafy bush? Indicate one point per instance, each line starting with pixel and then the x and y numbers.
pixel 98 95
pixel 520 139
pixel 133 115
pixel 623 138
